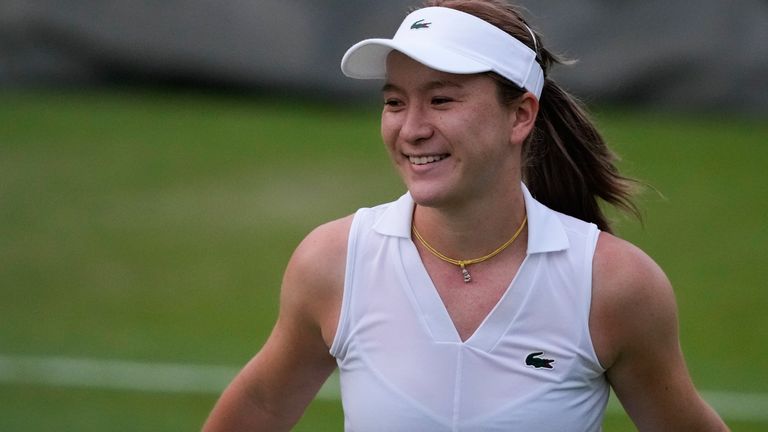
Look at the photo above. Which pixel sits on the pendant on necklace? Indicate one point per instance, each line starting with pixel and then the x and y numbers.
pixel 465 272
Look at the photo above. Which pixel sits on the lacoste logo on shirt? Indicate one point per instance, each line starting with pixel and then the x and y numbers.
pixel 420 24
pixel 534 360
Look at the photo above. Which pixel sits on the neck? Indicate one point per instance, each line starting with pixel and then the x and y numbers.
pixel 474 228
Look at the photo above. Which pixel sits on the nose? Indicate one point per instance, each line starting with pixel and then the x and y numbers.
pixel 416 126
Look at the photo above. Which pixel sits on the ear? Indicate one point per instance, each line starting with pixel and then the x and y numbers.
pixel 523 118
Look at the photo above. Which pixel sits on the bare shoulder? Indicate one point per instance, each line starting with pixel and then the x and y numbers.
pixel 626 270
pixel 632 298
pixel 314 279
pixel 321 256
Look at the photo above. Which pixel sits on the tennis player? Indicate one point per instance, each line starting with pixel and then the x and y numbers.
pixel 492 295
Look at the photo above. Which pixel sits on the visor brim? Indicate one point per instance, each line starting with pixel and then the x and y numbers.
pixel 368 59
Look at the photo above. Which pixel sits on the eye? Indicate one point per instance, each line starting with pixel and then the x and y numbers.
pixel 392 103
pixel 441 100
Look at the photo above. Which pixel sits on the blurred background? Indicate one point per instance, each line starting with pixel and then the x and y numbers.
pixel 159 161
pixel 708 55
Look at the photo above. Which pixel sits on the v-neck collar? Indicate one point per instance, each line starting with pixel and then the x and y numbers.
pixel 545 234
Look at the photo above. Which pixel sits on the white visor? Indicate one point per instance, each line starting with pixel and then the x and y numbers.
pixel 450 41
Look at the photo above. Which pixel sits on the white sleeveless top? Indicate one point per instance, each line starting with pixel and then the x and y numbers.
pixel 530 366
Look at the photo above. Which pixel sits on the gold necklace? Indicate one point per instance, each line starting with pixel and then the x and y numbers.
pixel 464 263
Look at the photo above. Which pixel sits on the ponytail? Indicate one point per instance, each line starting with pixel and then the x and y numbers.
pixel 567 165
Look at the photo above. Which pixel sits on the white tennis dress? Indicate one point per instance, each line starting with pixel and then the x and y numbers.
pixel 530 366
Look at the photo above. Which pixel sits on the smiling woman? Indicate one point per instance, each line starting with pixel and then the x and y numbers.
pixel 504 173
pixel 447 134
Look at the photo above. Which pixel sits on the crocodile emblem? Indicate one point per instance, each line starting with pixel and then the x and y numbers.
pixel 534 360
pixel 420 24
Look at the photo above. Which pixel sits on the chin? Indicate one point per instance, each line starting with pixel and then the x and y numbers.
pixel 433 190
pixel 427 198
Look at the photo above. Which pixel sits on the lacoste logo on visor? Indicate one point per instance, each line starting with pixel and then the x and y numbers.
pixel 420 24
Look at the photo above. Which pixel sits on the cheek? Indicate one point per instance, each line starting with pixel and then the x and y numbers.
pixel 388 132
pixel 495 123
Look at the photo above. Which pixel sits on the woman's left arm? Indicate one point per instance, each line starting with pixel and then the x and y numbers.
pixel 635 331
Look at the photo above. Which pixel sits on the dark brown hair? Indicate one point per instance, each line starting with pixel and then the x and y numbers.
pixel 567 164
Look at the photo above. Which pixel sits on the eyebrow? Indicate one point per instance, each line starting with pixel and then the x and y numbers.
pixel 431 85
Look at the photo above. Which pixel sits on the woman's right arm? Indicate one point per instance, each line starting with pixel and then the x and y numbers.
pixel 272 391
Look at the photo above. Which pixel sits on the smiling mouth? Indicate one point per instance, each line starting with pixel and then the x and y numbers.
pixel 423 160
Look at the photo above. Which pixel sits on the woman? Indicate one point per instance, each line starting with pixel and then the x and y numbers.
pixel 491 296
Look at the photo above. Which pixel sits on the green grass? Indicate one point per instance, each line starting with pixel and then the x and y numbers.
pixel 155 227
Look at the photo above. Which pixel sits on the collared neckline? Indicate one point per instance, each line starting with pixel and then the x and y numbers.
pixel 545 231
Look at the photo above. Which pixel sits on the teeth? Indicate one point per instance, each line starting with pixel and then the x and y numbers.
pixel 421 160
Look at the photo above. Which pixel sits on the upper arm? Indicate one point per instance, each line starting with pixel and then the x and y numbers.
pixel 296 354
pixel 273 389
pixel 635 331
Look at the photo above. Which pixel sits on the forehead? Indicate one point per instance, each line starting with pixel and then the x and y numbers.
pixel 403 71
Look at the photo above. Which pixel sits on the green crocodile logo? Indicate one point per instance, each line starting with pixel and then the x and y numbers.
pixel 420 24
pixel 534 360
